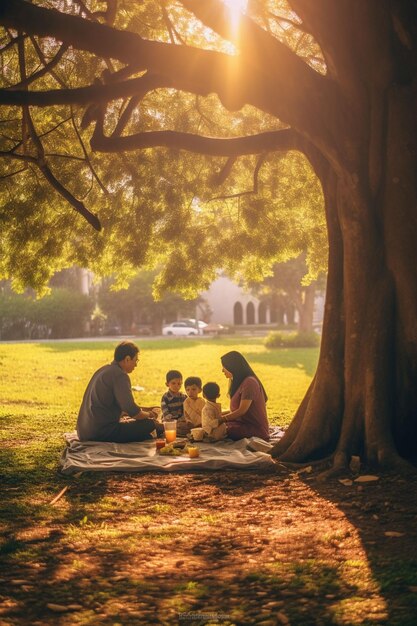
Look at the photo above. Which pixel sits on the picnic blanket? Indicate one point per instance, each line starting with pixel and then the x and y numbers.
pixel 97 456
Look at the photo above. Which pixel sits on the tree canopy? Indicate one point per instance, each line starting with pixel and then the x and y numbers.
pixel 76 122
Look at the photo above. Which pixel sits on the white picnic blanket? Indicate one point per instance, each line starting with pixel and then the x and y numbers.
pixel 94 456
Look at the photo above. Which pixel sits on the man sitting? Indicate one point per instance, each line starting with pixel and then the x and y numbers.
pixel 109 396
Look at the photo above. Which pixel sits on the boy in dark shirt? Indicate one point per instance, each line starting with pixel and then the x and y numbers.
pixel 173 400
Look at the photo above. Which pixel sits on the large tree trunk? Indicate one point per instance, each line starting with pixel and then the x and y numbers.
pixel 363 399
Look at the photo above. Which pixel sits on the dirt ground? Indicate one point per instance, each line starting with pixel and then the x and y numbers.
pixel 231 548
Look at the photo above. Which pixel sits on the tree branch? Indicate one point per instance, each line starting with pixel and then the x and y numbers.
pixel 4 176
pixel 285 139
pixel 9 154
pixel 12 42
pixel 268 75
pixel 86 156
pixel 277 64
pixel 125 116
pixel 54 182
pixel 84 95
pixel 280 18
pixel 45 70
pixel 76 204
pixel 338 28
pixel 173 33
pixel 221 176
pixel 260 161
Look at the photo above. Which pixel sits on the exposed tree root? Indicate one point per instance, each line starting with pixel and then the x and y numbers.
pixel 334 472
pixel 388 461
pixel 299 466
pixel 392 462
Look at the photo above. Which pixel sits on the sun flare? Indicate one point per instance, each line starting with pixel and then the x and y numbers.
pixel 236 7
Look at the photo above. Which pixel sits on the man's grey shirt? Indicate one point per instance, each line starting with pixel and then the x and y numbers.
pixel 108 393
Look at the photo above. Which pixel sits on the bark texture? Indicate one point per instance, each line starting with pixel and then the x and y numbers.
pixel 363 398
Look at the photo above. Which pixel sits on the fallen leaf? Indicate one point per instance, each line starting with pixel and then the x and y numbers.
pixel 393 533
pixel 368 478
pixel 346 481
pixel 57 608
pixel 413 589
pixel 19 581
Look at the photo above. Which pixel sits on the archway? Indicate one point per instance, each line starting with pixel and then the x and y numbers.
pixel 250 313
pixel 237 314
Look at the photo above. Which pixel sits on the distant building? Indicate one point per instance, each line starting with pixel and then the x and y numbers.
pixel 229 304
pixel 232 306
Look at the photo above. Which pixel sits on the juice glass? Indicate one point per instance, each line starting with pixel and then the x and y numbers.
pixel 170 431
pixel 193 452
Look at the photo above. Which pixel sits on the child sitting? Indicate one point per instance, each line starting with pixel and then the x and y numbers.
pixel 212 412
pixel 172 402
pixel 193 405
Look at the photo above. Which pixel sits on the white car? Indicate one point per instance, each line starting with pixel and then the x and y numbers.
pixel 180 328
pixel 194 323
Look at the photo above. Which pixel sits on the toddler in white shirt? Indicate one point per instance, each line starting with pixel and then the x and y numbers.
pixel 212 412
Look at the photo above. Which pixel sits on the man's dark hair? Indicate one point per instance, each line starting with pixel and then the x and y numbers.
pixel 173 374
pixel 211 391
pixel 124 349
pixel 193 380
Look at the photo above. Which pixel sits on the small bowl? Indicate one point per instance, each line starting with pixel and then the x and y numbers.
pixel 197 434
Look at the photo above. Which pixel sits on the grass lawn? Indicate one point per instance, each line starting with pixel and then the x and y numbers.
pixel 236 548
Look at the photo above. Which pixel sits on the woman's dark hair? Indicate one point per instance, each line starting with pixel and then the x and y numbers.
pixel 124 349
pixel 237 365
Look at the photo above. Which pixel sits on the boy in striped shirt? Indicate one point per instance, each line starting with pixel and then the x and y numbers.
pixel 172 402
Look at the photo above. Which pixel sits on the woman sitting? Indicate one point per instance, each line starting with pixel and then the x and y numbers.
pixel 247 416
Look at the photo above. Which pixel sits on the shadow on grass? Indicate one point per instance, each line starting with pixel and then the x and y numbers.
pixel 109 577
pixel 378 511
pixel 110 582
pixel 174 597
pixel 160 343
pixel 109 346
pixel 27 493
pixel 304 359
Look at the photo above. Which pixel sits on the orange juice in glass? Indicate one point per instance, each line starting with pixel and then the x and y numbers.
pixel 170 431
